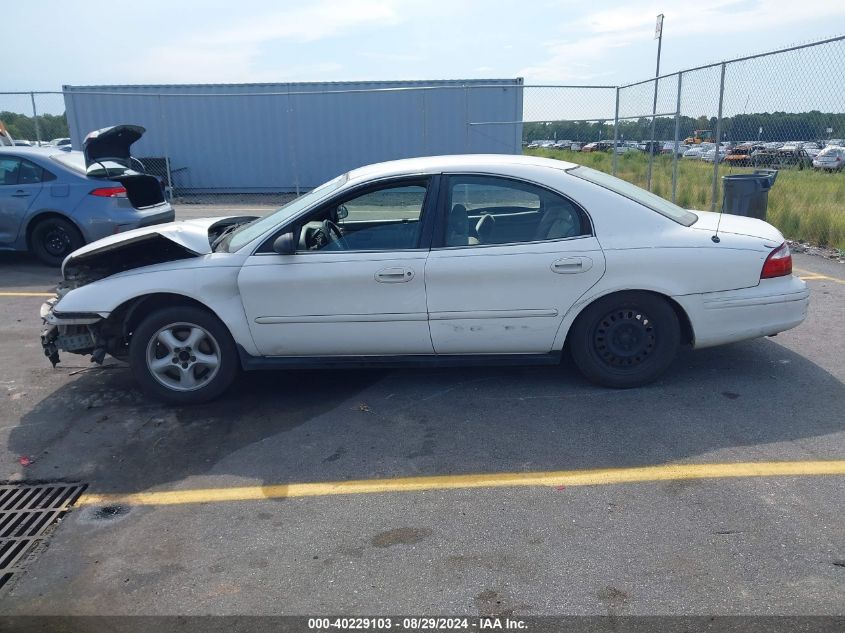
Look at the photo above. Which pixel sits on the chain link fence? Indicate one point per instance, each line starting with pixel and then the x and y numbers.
pixel 675 135
pixel 781 110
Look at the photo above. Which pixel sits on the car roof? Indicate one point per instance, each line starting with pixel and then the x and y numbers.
pixel 32 151
pixel 455 162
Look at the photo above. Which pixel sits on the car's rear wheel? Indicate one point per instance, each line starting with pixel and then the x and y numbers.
pixel 52 239
pixel 625 340
pixel 183 355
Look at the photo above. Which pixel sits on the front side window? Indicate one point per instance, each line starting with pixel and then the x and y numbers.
pixel 492 210
pixel 383 219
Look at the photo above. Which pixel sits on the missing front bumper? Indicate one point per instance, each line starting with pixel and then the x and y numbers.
pixel 77 333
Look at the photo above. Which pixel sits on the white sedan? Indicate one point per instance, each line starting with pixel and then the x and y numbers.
pixel 439 260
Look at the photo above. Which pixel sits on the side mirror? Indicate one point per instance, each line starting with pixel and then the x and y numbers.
pixel 285 244
pixel 342 212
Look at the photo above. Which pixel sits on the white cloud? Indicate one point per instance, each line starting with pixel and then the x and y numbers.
pixel 230 53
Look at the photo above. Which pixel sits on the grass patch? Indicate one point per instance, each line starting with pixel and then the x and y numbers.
pixel 804 204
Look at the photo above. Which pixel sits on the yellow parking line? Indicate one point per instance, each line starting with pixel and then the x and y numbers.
pixel 27 294
pixel 598 477
pixel 809 275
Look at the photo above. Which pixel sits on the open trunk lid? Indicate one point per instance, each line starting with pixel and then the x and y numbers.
pixel 111 144
pixel 107 155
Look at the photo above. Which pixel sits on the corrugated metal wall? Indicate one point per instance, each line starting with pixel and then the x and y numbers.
pixel 283 137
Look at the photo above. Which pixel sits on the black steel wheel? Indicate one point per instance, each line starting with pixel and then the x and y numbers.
pixel 625 340
pixel 53 238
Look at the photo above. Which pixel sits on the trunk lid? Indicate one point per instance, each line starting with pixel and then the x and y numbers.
pixel 111 144
pixel 737 225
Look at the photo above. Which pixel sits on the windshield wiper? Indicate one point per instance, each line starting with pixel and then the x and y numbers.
pixel 226 232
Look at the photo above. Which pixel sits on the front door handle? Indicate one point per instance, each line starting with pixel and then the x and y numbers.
pixel 20 193
pixel 570 265
pixel 394 275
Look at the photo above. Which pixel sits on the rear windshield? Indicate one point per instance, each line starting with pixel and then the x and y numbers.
pixel 72 160
pixel 632 192
pixel 104 169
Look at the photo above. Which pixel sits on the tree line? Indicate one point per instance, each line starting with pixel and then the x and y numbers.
pixel 776 126
pixel 21 126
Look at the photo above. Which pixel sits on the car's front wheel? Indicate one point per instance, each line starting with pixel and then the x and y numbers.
pixel 625 340
pixel 183 355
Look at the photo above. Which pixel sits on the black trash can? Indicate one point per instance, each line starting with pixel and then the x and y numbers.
pixel 748 194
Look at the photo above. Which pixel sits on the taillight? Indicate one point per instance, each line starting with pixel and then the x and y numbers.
pixel 778 263
pixel 110 192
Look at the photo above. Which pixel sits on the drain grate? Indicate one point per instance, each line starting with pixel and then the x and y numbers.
pixel 26 513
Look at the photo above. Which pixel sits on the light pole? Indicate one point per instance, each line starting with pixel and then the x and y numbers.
pixel 658 35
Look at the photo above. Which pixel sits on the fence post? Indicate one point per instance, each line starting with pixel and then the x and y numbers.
pixel 35 118
pixel 167 168
pixel 615 133
pixel 653 126
pixel 466 119
pixel 291 132
pixel 677 135
pixel 715 193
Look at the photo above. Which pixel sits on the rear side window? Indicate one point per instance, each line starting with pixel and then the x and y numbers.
pixel 18 171
pixel 9 168
pixel 30 173
pixel 485 210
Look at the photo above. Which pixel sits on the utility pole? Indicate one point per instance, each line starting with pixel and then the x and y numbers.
pixel 658 35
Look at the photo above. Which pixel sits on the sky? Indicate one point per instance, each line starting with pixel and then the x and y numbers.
pixel 544 41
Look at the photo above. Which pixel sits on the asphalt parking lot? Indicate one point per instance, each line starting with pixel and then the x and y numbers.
pixel 241 532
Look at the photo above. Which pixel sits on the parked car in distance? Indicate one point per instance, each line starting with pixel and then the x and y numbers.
pixel 625 148
pixel 517 259
pixel 598 146
pixel 793 156
pixel 22 143
pixel 741 155
pixel 53 202
pixel 669 148
pixel 696 151
pixel 710 155
pixel 651 147
pixel 831 158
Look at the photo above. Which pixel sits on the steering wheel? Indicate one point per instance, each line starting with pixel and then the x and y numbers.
pixel 328 233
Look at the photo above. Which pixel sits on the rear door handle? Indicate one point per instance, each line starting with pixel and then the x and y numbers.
pixel 20 193
pixel 571 265
pixel 395 275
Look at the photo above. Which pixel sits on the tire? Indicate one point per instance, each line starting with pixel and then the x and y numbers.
pixel 194 336
pixel 52 239
pixel 625 340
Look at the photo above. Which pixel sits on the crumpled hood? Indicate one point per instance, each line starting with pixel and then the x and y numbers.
pixel 189 234
pixel 738 225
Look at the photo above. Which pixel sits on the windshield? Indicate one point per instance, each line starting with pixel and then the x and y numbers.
pixel 245 233
pixel 632 192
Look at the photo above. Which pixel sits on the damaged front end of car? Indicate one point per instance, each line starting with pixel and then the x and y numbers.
pixel 98 333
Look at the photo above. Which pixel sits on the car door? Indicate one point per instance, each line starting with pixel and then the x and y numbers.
pixel 20 184
pixel 359 291
pixel 510 260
